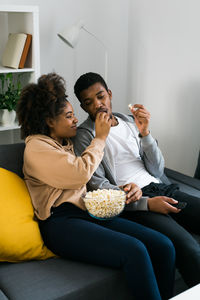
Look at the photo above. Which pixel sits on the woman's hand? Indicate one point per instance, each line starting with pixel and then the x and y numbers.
pixel 133 191
pixel 161 204
pixel 102 125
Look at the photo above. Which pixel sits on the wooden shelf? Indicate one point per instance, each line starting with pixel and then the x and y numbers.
pixel 3 128
pixel 18 8
pixel 14 19
pixel 10 70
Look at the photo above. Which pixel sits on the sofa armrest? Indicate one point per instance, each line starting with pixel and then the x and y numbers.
pixel 197 172
pixel 185 179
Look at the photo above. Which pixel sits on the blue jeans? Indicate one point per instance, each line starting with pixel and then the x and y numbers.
pixel 147 257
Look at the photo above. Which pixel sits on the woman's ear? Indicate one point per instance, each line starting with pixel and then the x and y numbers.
pixel 50 122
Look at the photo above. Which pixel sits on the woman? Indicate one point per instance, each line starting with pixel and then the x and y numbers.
pixel 56 179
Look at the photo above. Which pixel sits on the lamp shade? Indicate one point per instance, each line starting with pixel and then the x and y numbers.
pixel 70 35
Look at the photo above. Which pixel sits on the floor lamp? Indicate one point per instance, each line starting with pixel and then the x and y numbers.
pixel 70 36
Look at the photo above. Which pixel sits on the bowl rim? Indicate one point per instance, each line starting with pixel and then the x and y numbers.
pixel 84 195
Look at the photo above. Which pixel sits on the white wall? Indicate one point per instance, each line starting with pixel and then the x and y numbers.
pixel 164 74
pixel 154 58
pixel 107 19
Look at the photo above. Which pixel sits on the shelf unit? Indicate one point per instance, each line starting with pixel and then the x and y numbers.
pixel 15 19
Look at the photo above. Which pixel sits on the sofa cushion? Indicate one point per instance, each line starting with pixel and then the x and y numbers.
pixel 62 279
pixel 186 183
pixel 11 157
pixel 19 232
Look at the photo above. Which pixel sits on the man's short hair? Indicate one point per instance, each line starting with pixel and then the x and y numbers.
pixel 86 80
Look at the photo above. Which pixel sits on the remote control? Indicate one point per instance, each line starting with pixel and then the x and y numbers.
pixel 180 205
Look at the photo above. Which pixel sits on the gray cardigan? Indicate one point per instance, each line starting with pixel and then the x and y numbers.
pixel 104 177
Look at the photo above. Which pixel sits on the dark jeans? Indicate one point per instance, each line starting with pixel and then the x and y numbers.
pixel 178 227
pixel 146 256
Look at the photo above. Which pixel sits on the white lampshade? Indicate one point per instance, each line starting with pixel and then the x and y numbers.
pixel 70 35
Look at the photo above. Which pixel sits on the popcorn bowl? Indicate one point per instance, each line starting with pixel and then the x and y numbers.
pixel 104 204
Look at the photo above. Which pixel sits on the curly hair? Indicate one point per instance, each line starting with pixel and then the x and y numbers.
pixel 86 80
pixel 39 101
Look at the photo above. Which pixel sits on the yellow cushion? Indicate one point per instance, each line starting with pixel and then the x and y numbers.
pixel 20 237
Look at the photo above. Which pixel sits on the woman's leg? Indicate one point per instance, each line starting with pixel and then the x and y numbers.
pixel 160 249
pixel 81 239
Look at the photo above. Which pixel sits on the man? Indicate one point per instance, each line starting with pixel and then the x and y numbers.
pixel 132 161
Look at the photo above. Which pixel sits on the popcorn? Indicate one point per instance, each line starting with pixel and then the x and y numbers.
pixel 105 203
pixel 130 106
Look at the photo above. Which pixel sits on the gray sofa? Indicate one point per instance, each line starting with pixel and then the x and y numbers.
pixel 61 279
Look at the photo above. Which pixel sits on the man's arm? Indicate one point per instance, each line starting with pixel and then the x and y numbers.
pixel 152 156
pixel 100 180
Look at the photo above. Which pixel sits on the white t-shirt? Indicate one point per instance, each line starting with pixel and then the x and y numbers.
pixel 129 166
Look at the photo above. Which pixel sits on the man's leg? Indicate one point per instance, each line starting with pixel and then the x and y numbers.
pixel 187 249
pixel 189 217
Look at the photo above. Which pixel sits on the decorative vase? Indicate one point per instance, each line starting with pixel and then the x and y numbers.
pixel 7 118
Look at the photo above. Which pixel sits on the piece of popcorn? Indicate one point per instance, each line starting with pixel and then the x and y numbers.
pixel 130 106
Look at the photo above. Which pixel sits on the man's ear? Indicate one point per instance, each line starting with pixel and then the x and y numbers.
pixel 110 94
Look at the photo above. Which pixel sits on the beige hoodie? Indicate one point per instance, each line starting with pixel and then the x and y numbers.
pixel 53 174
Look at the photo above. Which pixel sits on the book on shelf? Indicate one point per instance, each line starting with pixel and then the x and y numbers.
pixel 25 51
pixel 16 50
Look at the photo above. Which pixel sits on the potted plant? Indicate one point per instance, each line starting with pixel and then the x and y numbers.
pixel 9 95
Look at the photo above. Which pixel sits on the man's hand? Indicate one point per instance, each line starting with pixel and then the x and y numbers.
pixel 142 118
pixel 133 191
pixel 161 204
